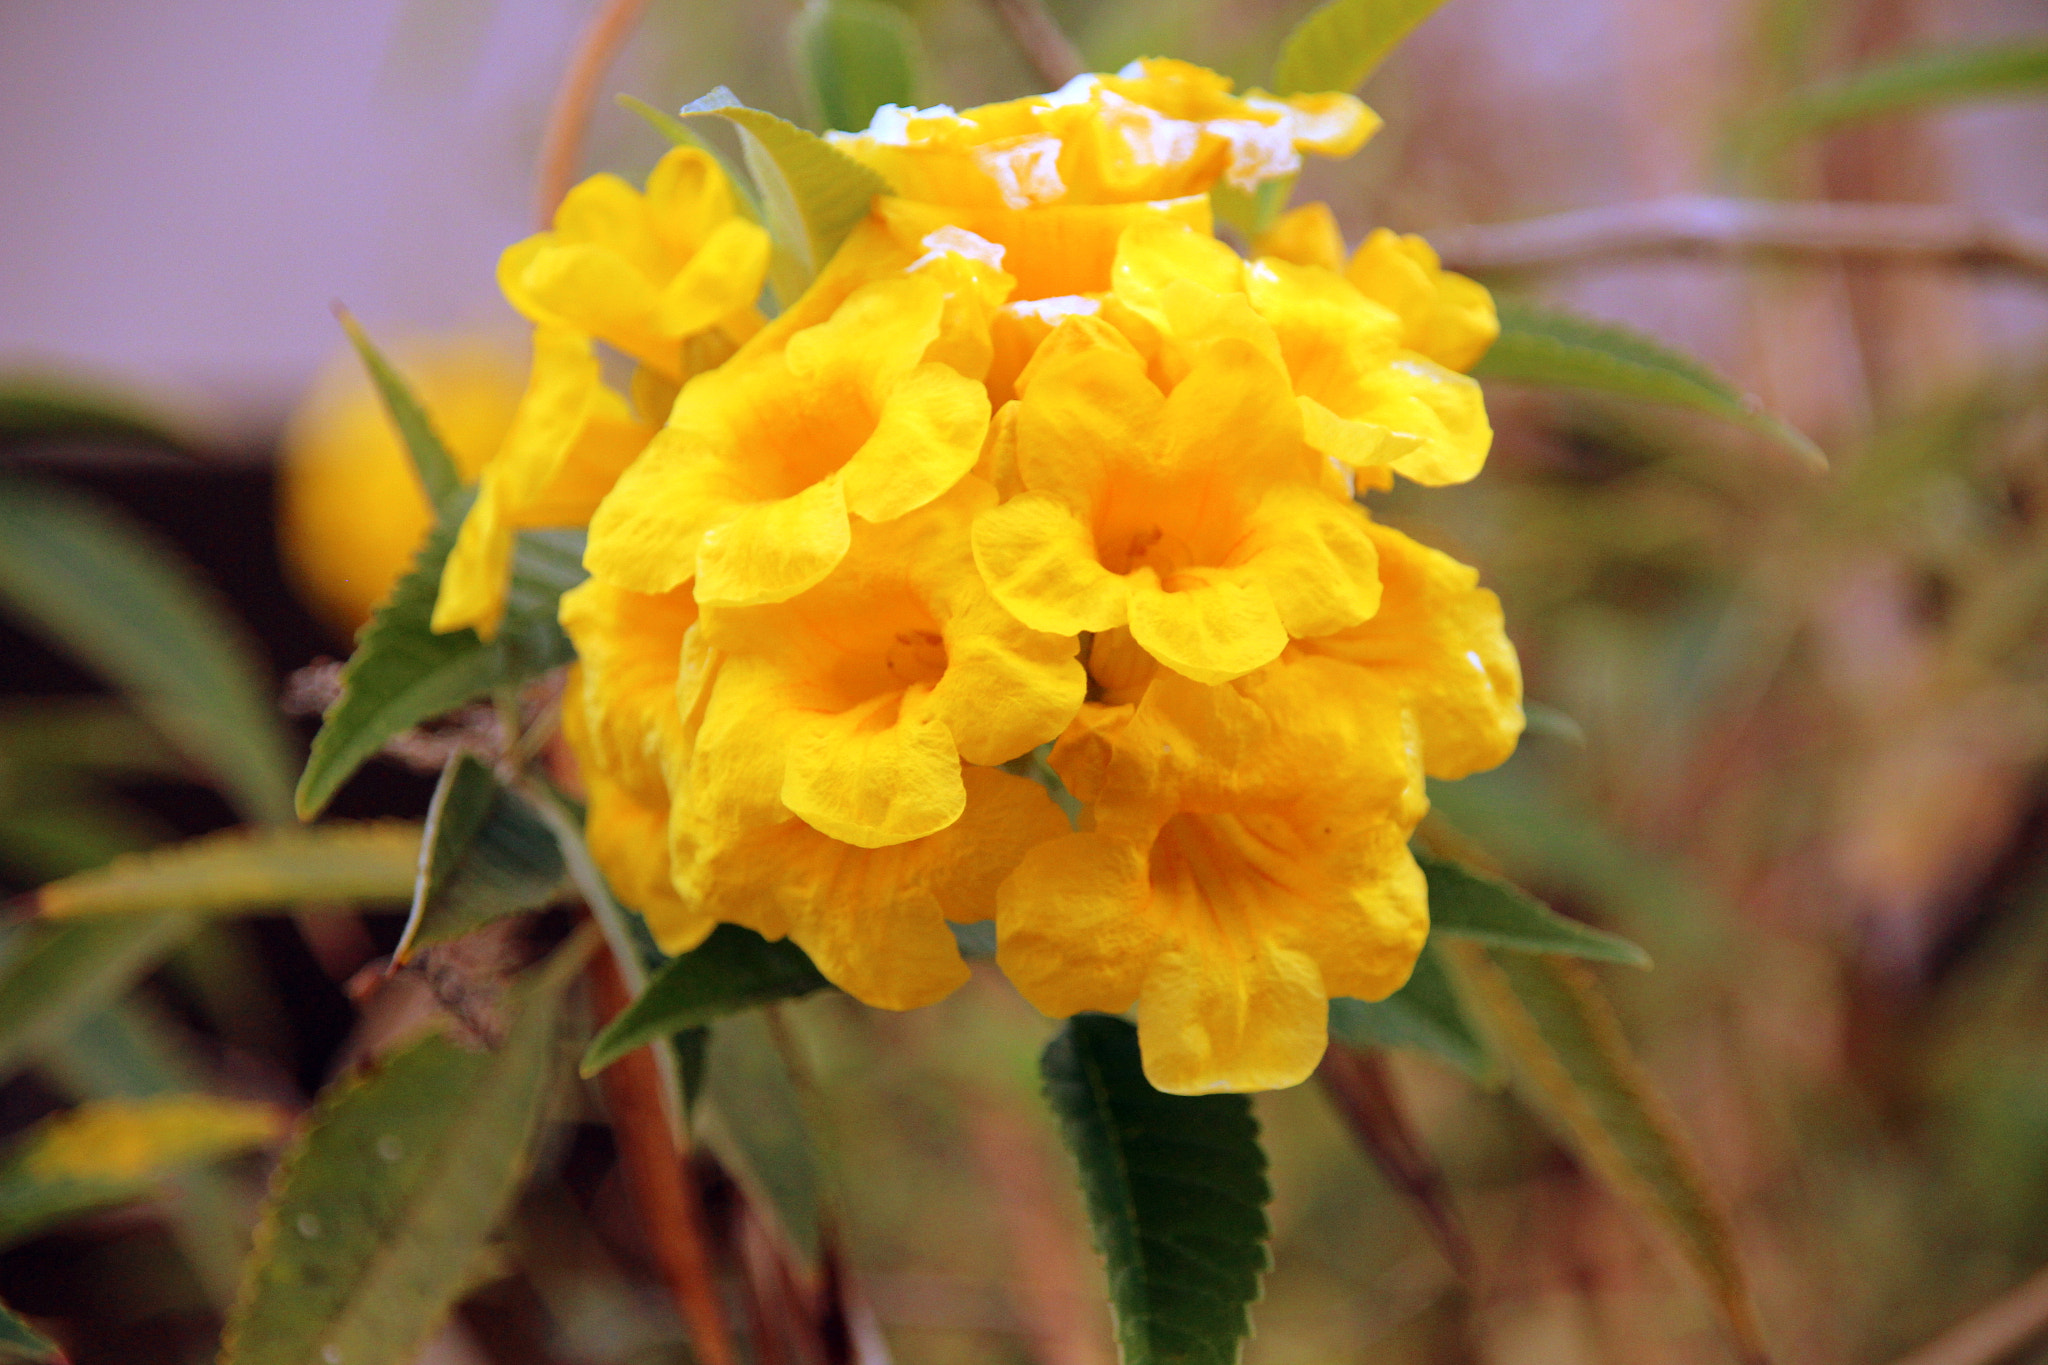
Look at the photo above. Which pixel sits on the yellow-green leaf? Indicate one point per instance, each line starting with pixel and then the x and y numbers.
pixel 240 871
pixel 1925 79
pixel 856 56
pixel 1341 43
pixel 439 476
pixel 1467 903
pixel 55 976
pixel 1425 1013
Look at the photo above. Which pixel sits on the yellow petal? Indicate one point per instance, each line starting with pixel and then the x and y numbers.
pixel 882 773
pixel 1039 560
pixel 1209 626
pixel 1227 1018
pixel 1153 256
pixel 479 568
pixel 1445 410
pixel 1007 688
pixel 771 551
pixel 597 290
pixel 1306 235
pixel 1072 931
pixel 688 200
pixel 1314 557
pixel 723 277
pixel 928 436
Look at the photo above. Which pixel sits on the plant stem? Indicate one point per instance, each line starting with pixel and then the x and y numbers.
pixel 569 117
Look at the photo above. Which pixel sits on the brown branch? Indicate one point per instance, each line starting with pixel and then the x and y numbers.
pixel 561 143
pixel 1992 1333
pixel 671 1215
pixel 1699 223
pixel 1357 1083
pixel 1050 51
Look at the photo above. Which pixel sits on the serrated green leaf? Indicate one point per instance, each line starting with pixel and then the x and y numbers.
pixel 1176 1191
pixel 398 1176
pixel 240 871
pixel 1542 344
pixel 57 975
pixel 19 1341
pixel 486 855
pixel 1424 1014
pixel 402 673
pixel 812 194
pixel 1569 1052
pixel 59 407
pixel 1467 903
pixel 856 56
pixel 438 473
pixel 1341 43
pixel 734 969
pixel 110 593
pixel 116 1151
pixel 1947 76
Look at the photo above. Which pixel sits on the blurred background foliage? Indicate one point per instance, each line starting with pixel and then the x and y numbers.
pixel 1795 748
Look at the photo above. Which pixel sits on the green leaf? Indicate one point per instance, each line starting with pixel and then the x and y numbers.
pixel 1541 344
pixel 400 1173
pixel 1176 1191
pixel 239 871
pixel 83 734
pixel 57 975
pixel 117 1151
pixel 60 407
pixel 19 1341
pixel 430 458
pixel 682 134
pixel 812 194
pixel 1569 1051
pixel 1255 212
pixel 734 969
pixel 402 673
pixel 486 855
pixel 855 57
pixel 1424 1014
pixel 123 603
pixel 1946 76
pixel 1341 43
pixel 1470 904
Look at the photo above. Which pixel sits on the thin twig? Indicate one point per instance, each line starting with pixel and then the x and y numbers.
pixel 1357 1083
pixel 1050 51
pixel 671 1215
pixel 561 143
pixel 1994 1332
pixel 1700 223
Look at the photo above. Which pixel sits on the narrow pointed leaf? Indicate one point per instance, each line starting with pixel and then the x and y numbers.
pixel 811 193
pixel 856 56
pixel 19 1341
pixel 402 673
pixel 116 1151
pixel 735 969
pixel 486 855
pixel 59 407
pixel 1467 903
pixel 1923 80
pixel 1341 43
pixel 1176 1192
pixel 1425 1014
pixel 55 976
pixel 241 871
pixel 1542 344
pixel 438 473
pixel 400 1174
pixel 1569 1052
pixel 106 590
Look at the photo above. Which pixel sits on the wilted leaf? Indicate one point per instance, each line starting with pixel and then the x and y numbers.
pixel 237 871
pixel 439 476
pixel 1176 1190
pixel 1423 1014
pixel 1541 344
pixel 1949 76
pixel 487 855
pixel 811 193
pixel 734 969
pixel 1468 903
pixel 56 975
pixel 108 591
pixel 1341 43
pixel 1569 1049
pixel 856 56
pixel 399 1175
pixel 116 1151
pixel 19 1341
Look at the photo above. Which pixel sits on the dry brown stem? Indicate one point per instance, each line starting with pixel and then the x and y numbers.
pixel 561 143
pixel 1358 1084
pixel 1050 51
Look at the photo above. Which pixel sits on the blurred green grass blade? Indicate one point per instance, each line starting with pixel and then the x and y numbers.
pixel 734 969
pixel 19 1341
pixel 1467 903
pixel 123 603
pixel 1569 1050
pixel 398 1176
pixel 110 1152
pixel 57 975
pixel 1176 1192
pixel 61 407
pixel 1543 344
pixel 682 134
pixel 1947 76
pixel 83 734
pixel 1425 1014
pixel 856 56
pixel 239 871
pixel 402 673
pixel 1341 43
pixel 486 855
pixel 812 194
pixel 430 457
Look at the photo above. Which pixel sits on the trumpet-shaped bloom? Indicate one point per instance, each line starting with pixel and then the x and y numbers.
pixel 1248 862
pixel 1197 517
pixel 648 273
pixel 753 487
pixel 1444 315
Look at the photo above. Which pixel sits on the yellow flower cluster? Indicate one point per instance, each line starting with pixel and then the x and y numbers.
pixel 1036 460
